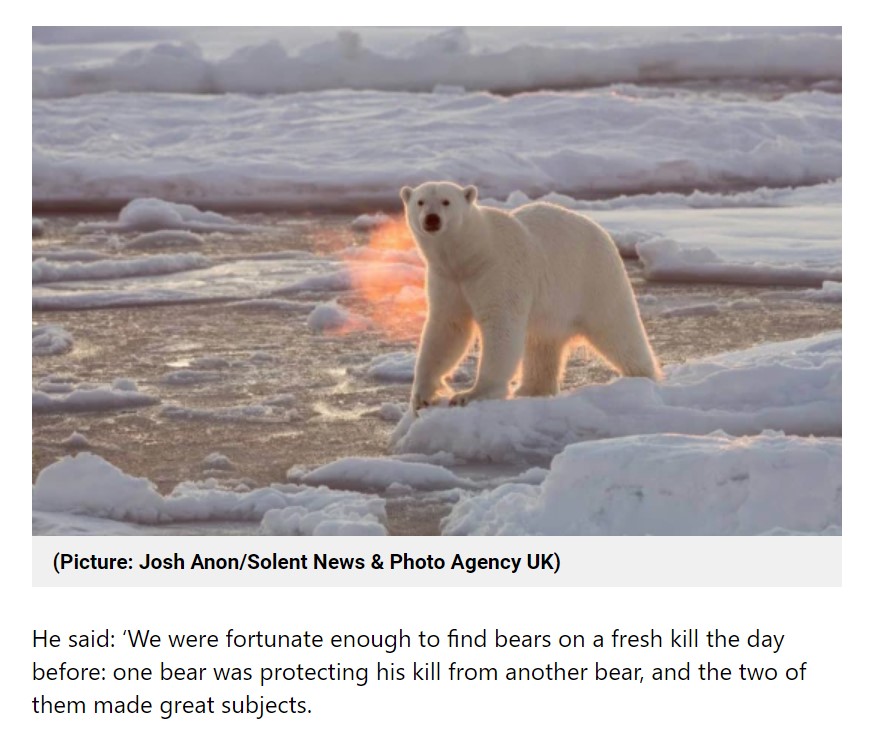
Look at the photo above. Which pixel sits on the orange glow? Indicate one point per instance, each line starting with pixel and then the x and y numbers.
pixel 392 235
pixel 389 276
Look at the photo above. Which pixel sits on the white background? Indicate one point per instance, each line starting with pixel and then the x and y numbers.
pixel 830 628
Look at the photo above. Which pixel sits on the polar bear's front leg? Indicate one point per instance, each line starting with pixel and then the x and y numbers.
pixel 446 337
pixel 502 339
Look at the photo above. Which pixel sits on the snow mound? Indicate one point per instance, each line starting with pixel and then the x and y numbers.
pixel 322 512
pixel 54 396
pixel 226 279
pixel 332 318
pixel 798 245
pixel 395 367
pixel 829 192
pixel 367 474
pixel 367 222
pixel 378 276
pixel 187 376
pixel 448 57
pixel 165 239
pixel 88 485
pixel 156 215
pixel 50 339
pixel 391 412
pixel 717 485
pixel 217 461
pixel 667 260
pixel 83 255
pixel 831 292
pixel 793 386
pixel 45 271
pixel 76 440
pixel 634 142
pixel 38 227
pixel 398 367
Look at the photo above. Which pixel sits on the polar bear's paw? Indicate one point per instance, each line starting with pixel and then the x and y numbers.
pixel 419 401
pixel 463 398
pixel 423 399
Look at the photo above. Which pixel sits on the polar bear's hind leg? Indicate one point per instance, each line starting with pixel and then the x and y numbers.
pixel 626 348
pixel 544 362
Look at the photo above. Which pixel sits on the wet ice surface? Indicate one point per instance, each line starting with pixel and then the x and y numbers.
pixel 246 377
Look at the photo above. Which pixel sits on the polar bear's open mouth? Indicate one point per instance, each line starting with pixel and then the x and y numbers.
pixel 432 223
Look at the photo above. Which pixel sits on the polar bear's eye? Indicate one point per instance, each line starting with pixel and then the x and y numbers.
pixel 420 203
pixel 446 203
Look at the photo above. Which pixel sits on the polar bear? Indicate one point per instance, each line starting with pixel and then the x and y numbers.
pixel 532 281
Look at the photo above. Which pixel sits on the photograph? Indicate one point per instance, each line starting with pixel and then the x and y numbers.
pixel 423 281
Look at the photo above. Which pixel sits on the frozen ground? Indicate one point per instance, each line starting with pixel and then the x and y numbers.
pixel 70 61
pixel 719 485
pixel 286 119
pixel 226 309
pixel 341 149
pixel 248 378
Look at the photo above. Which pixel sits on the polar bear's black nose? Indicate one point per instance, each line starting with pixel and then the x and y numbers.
pixel 432 223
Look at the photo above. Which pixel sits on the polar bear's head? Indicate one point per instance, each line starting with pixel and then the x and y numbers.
pixel 437 207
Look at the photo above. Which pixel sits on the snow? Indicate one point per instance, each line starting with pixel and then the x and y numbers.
pixel 76 440
pixel 186 376
pixel 339 515
pixel 246 413
pixel 783 246
pixel 243 279
pixel 398 367
pixel 367 474
pixel 665 260
pixel 50 339
pixel 363 252
pixel 793 386
pixel 158 216
pixel 217 461
pixel 829 192
pixel 391 412
pixel 243 150
pixel 45 271
pixel 692 310
pixel 719 485
pixel 831 292
pixel 383 276
pixel 366 222
pixel 88 485
pixel 330 317
pixel 395 367
pixel 56 396
pixel 164 239
pixel 38 227
pixel 454 57
pixel 78 254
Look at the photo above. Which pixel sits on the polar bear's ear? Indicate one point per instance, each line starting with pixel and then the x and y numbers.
pixel 471 194
pixel 405 193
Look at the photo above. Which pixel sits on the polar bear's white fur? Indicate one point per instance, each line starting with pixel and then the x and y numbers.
pixel 533 281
